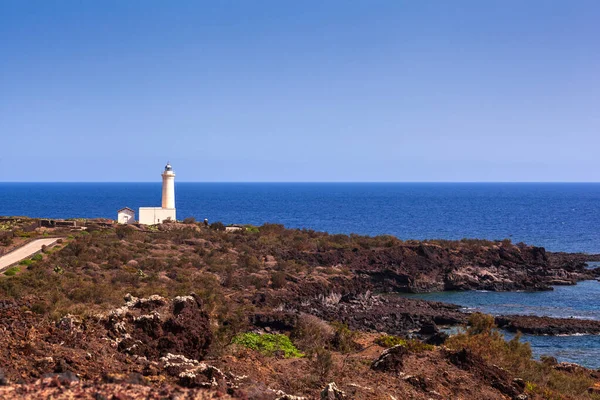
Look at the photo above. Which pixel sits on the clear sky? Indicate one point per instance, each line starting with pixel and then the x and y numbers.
pixel 336 90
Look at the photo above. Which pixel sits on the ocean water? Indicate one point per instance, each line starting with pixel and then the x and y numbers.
pixel 580 301
pixel 560 217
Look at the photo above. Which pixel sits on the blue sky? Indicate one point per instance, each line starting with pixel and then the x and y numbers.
pixel 463 90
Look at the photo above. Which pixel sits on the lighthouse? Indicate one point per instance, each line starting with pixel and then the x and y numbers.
pixel 168 187
pixel 158 215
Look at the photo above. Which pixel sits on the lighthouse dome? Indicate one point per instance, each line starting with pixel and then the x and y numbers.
pixel 168 167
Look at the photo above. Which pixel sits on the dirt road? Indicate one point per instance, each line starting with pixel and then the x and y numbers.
pixel 25 251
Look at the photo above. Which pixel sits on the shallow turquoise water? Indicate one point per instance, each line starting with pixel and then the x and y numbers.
pixel 579 301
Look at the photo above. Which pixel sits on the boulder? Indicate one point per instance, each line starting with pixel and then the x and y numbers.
pixel 331 392
pixel 391 360
pixel 154 326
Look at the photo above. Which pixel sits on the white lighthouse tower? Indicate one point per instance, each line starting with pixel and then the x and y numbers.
pixel 157 215
pixel 168 187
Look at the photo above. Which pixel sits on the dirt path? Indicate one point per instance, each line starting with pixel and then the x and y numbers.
pixel 23 252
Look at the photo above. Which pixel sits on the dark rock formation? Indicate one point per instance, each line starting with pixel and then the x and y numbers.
pixel 391 360
pixel 547 326
pixel 480 265
pixel 498 377
pixel 154 327
pixel 378 313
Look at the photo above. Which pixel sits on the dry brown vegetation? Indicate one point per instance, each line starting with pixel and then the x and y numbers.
pixel 272 279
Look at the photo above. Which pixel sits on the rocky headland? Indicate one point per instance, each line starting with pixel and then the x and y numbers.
pixel 171 310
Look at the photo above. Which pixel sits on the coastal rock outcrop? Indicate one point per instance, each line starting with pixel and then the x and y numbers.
pixel 536 325
pixel 154 326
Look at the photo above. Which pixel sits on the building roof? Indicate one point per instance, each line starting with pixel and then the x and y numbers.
pixel 125 208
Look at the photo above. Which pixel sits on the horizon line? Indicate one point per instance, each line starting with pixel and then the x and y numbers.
pixel 324 182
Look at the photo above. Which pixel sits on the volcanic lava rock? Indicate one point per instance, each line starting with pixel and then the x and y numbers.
pixel 154 326
pixel 391 360
pixel 331 392
pixel 547 326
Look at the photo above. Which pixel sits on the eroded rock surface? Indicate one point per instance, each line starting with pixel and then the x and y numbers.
pixel 155 326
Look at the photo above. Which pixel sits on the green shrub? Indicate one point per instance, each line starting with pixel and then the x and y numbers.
pixel 416 346
pixel 268 344
pixel 343 339
pixel 27 262
pixel 12 271
pixel 322 364
pixel 390 341
pixel 480 324
pixel 37 257
pixel 413 345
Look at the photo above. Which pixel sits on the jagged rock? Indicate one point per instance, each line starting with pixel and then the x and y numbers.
pixel 498 377
pixel 520 383
pixel 568 367
pixel 428 328
pixel 390 360
pixel 205 376
pixel 154 326
pixel 437 339
pixel 537 325
pixel 594 389
pixel 331 392
pixel 419 382
pixel 68 323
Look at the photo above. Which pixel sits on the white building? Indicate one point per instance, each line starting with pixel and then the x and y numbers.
pixel 157 215
pixel 125 216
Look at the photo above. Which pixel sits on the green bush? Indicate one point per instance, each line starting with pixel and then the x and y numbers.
pixel 37 257
pixel 27 262
pixel 343 339
pixel 390 341
pixel 480 324
pixel 413 345
pixel 12 271
pixel 268 344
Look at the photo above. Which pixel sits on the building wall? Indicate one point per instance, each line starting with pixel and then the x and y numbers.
pixel 126 217
pixel 156 215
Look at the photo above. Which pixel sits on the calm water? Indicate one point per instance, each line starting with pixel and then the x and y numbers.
pixel 560 217
pixel 563 217
pixel 580 301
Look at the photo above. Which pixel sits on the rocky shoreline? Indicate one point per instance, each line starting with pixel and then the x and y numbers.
pixel 539 325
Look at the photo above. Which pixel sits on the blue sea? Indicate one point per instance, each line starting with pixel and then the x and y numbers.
pixel 580 301
pixel 560 217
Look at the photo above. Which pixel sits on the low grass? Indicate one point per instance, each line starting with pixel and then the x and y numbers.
pixel 268 344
